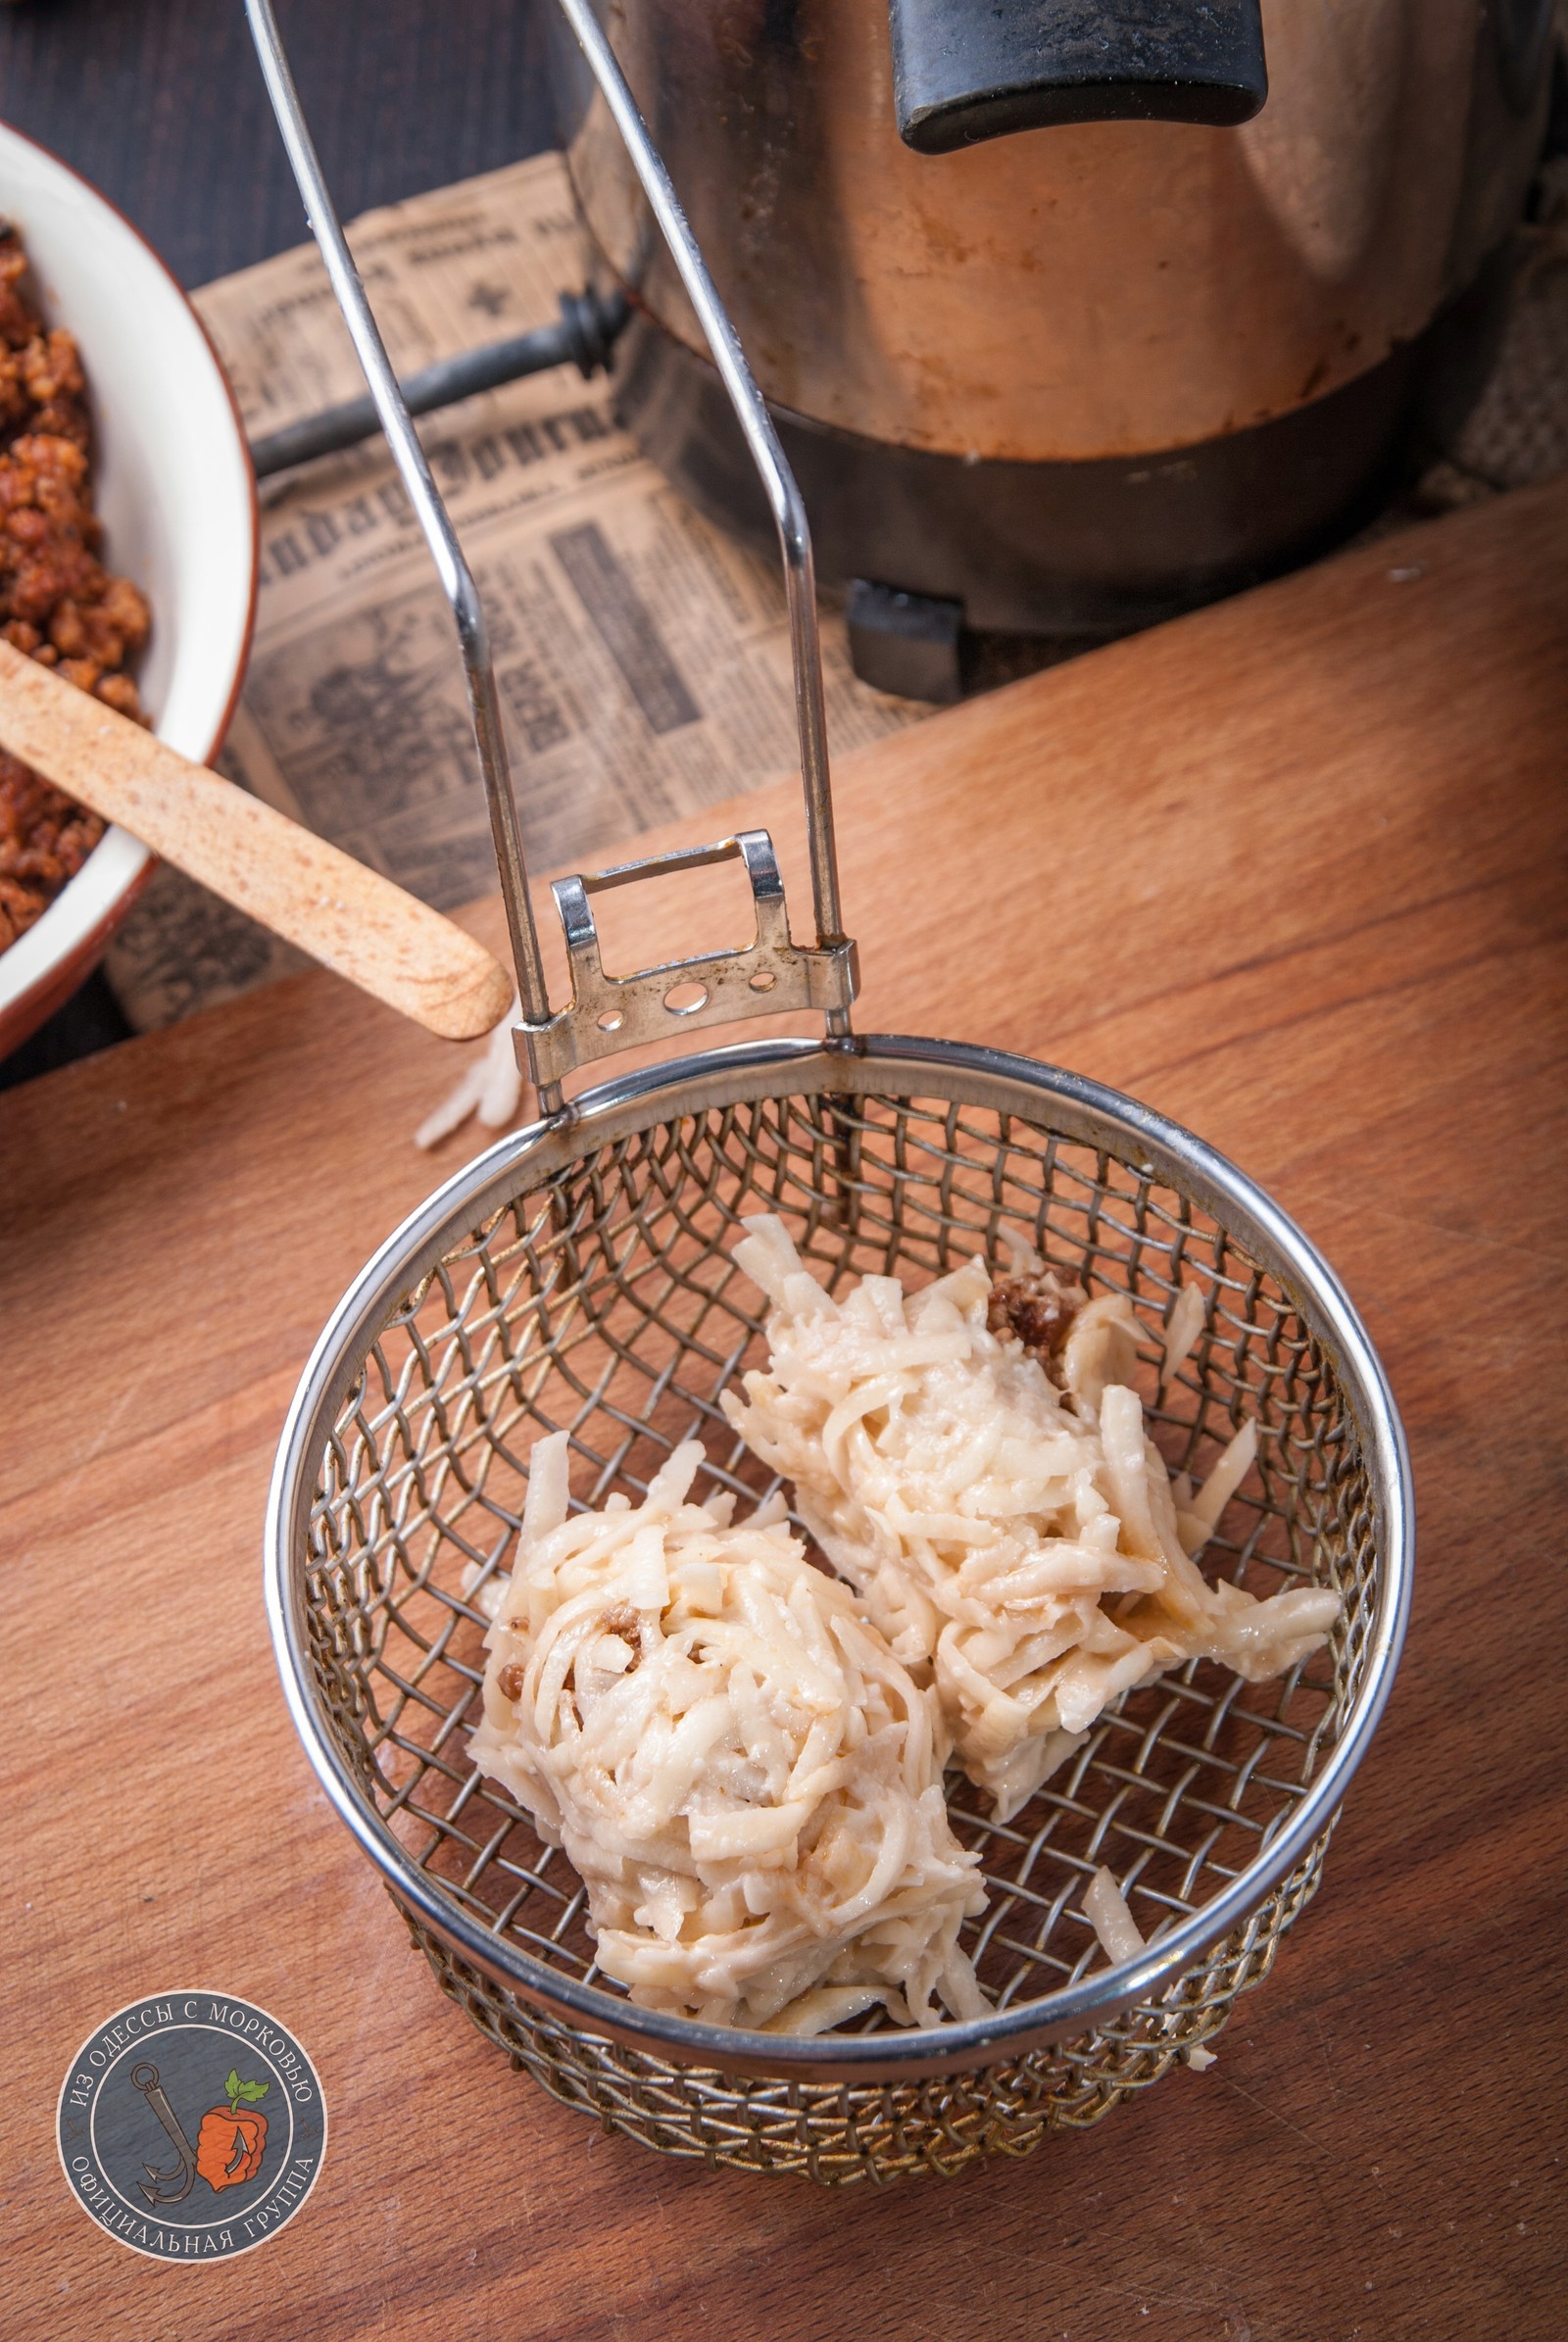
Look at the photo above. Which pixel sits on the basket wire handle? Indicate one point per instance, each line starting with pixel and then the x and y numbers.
pixel 770 976
pixel 457 578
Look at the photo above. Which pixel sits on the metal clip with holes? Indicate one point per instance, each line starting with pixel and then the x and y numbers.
pixel 608 1014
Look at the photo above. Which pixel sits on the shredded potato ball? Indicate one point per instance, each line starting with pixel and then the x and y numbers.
pixel 747 1779
pixel 1017 1539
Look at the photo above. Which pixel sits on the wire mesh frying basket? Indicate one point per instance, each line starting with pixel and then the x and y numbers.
pixel 578 1276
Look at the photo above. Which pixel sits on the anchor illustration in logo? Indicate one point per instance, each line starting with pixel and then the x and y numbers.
pixel 229 2144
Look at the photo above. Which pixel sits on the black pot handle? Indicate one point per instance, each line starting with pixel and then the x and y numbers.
pixel 966 71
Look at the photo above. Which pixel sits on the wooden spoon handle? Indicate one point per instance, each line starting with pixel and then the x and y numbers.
pixel 352 919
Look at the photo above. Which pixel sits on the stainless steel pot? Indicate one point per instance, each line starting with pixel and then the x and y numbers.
pixel 1073 377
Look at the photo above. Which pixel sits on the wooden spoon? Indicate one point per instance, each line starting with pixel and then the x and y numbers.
pixel 350 919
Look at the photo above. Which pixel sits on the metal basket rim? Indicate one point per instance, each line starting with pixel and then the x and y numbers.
pixel 865 1064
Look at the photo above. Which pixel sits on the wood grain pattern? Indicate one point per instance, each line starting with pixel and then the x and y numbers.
pixel 1290 871
pixel 352 919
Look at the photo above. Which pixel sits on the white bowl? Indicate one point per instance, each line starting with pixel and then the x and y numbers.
pixel 177 498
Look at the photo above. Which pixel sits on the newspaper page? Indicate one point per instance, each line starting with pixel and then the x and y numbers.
pixel 642 659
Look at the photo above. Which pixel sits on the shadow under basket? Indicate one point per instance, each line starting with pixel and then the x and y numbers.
pixel 578 1276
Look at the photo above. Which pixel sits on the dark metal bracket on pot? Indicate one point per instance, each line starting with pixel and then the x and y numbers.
pixel 591 323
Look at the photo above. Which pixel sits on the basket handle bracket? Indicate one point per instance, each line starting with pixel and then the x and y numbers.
pixel 770 976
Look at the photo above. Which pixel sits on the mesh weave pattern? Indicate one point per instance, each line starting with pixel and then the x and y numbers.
pixel 602 1299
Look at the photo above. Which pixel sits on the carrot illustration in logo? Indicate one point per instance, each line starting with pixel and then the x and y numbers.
pixel 230 2142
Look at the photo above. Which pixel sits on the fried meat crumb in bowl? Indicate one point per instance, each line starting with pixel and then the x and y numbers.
pixel 58 603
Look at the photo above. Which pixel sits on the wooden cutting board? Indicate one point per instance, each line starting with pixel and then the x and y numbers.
pixel 1291 870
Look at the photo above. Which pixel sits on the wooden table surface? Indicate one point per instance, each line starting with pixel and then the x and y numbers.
pixel 1289 869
